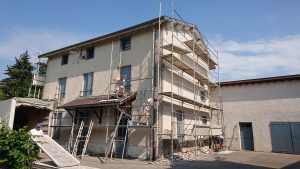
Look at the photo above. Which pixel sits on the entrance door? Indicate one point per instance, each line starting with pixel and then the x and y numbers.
pixel 121 137
pixel 246 136
pixel 180 127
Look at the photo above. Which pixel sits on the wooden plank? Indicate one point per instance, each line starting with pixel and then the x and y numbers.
pixel 55 152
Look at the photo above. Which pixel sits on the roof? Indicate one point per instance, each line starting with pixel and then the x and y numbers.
pixel 98 101
pixel 117 34
pixel 261 80
pixel 37 103
pixel 106 36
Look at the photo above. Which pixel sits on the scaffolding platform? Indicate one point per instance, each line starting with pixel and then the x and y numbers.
pixel 201 51
pixel 188 69
pixel 187 100
pixel 176 49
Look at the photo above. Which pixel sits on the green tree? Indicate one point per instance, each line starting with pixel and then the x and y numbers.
pixel 17 150
pixel 42 68
pixel 19 77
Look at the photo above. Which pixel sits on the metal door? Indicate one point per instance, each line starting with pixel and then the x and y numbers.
pixel 295 129
pixel 126 72
pixel 246 136
pixel 281 137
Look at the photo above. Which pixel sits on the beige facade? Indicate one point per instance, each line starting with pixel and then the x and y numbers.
pixel 144 74
pixel 260 103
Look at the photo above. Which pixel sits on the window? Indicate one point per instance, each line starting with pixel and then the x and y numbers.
pixel 62 87
pixel 126 72
pixel 202 95
pixel 88 84
pixel 204 120
pixel 57 122
pixel 125 44
pixel 90 53
pixel 64 59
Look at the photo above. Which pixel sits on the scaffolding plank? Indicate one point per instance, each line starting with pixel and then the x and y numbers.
pixel 186 68
pixel 176 49
pixel 201 51
pixel 55 152
pixel 187 100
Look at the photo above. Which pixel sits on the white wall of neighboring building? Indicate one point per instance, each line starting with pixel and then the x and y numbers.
pixel 7 112
pixel 260 104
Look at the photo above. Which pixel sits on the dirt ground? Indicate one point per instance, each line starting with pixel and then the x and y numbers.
pixel 235 160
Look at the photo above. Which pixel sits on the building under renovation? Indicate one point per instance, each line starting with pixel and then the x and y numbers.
pixel 165 104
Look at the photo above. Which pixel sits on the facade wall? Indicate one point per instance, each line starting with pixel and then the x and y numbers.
pixel 140 59
pixel 259 103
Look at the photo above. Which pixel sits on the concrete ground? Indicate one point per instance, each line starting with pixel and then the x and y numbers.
pixel 235 160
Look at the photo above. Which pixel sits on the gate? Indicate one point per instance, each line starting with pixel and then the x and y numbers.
pixel 285 137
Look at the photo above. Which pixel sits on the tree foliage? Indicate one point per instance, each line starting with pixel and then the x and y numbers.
pixel 17 150
pixel 19 77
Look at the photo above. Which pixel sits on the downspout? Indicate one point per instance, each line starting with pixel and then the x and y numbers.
pixel 152 136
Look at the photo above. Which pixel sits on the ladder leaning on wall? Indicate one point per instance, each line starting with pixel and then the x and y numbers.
pixel 80 138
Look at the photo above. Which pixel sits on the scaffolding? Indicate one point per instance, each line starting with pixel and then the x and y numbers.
pixel 187 41
pixel 188 56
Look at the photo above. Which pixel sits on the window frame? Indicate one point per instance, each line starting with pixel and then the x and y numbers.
pixel 64 59
pixel 123 45
pixel 204 120
pixel 90 53
pixel 86 91
pixel 61 94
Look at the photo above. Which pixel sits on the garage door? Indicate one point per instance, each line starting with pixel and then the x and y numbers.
pixel 285 136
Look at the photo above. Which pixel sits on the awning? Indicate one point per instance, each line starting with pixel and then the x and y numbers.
pixel 32 102
pixel 98 101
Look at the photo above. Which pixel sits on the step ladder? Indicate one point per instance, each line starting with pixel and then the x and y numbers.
pixel 80 138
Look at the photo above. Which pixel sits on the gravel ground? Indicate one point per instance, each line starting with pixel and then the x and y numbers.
pixel 235 160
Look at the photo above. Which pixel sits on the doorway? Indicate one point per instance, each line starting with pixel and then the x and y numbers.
pixel 246 134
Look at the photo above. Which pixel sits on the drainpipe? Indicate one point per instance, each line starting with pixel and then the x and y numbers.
pixel 152 140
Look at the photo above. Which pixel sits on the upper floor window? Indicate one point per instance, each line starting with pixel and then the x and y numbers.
pixel 62 87
pixel 126 43
pixel 88 84
pixel 204 120
pixel 64 59
pixel 90 52
pixel 126 73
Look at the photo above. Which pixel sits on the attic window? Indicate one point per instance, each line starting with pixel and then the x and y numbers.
pixel 126 43
pixel 64 59
pixel 90 53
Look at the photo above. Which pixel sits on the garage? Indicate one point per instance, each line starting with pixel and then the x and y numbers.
pixel 285 137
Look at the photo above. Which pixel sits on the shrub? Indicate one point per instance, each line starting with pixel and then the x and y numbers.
pixel 17 150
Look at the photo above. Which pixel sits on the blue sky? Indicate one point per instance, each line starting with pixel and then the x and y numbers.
pixel 255 38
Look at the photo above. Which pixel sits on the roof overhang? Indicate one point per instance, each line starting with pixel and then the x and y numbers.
pixel 32 102
pixel 261 80
pixel 98 101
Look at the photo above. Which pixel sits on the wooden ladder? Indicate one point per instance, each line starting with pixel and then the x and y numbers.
pixel 82 138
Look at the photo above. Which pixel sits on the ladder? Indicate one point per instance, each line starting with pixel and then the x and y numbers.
pixel 70 143
pixel 82 138
pixel 112 141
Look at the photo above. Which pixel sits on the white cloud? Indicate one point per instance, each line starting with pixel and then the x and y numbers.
pixel 260 58
pixel 36 40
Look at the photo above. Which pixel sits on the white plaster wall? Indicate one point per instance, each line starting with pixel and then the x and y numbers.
pixel 7 112
pixel 260 104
